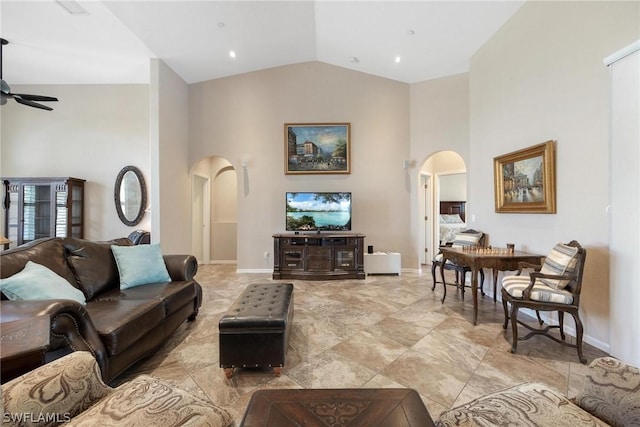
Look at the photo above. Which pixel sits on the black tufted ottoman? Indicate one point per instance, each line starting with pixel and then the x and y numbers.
pixel 255 330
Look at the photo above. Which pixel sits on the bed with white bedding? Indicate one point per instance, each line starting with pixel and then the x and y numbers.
pixel 452 220
pixel 450 225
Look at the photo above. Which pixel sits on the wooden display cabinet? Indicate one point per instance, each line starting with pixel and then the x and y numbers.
pixel 43 207
pixel 318 256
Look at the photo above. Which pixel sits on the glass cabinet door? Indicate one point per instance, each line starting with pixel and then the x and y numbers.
pixel 292 259
pixel 12 214
pixel 76 196
pixel 345 258
pixel 36 208
pixel 61 210
pixel 36 211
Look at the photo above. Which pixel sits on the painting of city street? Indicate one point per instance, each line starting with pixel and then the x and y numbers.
pixel 525 180
pixel 317 148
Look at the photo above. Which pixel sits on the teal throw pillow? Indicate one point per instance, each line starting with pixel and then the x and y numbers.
pixel 140 265
pixel 37 282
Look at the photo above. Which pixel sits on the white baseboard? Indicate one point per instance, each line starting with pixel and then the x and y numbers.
pixel 254 270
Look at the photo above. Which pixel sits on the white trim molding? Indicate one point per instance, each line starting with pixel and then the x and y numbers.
pixel 625 51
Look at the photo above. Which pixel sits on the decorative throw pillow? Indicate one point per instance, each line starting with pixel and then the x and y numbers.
pixel 466 239
pixel 93 264
pixel 561 261
pixel 140 265
pixel 37 282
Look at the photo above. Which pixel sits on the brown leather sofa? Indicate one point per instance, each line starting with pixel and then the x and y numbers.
pixel 119 327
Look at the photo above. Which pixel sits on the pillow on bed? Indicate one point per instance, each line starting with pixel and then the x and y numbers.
pixel 451 219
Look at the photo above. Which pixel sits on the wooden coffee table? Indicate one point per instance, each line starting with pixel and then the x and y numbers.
pixel 361 407
pixel 23 344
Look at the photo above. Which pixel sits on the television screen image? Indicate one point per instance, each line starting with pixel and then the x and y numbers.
pixel 318 211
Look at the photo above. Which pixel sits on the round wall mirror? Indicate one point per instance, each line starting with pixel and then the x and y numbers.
pixel 130 195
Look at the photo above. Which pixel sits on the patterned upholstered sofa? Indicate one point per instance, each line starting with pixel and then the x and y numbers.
pixel 611 396
pixel 70 390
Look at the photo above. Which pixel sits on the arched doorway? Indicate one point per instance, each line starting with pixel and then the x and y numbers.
pixel 443 177
pixel 214 185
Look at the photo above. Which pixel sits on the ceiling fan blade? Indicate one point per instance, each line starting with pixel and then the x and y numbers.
pixel 32 104
pixel 28 97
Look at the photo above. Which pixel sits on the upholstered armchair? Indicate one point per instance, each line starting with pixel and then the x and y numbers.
pixel 554 286
pixel 463 239
pixel 70 390
pixel 610 396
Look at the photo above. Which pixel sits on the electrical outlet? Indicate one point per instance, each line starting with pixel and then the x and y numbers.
pixel 266 254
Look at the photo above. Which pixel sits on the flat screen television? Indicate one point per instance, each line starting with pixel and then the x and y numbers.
pixel 318 211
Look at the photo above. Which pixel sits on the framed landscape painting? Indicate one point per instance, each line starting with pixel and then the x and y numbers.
pixel 525 180
pixel 317 148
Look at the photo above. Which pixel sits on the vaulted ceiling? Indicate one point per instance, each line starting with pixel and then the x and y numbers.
pixel 112 41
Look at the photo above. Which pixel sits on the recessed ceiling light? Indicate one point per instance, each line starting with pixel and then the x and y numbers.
pixel 73 7
pixel 397 59
pixel 354 59
pixel 411 32
pixel 232 54
pixel 221 24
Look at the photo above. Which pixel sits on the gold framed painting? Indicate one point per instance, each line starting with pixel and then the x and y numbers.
pixel 525 180
pixel 317 148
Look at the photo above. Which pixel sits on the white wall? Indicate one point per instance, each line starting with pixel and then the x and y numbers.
pixel 625 204
pixel 92 133
pixel 541 77
pixel 453 187
pixel 242 118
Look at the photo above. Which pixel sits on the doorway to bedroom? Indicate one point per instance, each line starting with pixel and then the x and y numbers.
pixel 214 211
pixel 443 190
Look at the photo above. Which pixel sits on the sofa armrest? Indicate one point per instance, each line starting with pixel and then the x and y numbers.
pixel 69 320
pixel 181 267
pixel 148 401
pixel 55 392
pixel 612 392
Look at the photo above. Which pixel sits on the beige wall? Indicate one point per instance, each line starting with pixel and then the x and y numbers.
pixel 541 77
pixel 439 125
pixel 242 118
pixel 169 147
pixel 92 133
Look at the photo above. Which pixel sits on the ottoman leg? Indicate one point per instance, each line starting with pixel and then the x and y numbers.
pixel 228 372
pixel 277 371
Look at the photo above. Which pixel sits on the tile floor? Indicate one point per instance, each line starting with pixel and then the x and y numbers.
pixel 384 331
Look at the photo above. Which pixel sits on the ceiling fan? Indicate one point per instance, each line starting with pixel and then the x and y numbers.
pixel 21 98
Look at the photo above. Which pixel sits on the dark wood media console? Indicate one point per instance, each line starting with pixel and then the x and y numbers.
pixel 318 256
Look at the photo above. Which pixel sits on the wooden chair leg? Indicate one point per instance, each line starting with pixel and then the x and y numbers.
pixel 539 318
pixel 561 323
pixel 434 264
pixel 579 332
pixel 506 311
pixel 464 280
pixel 514 327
